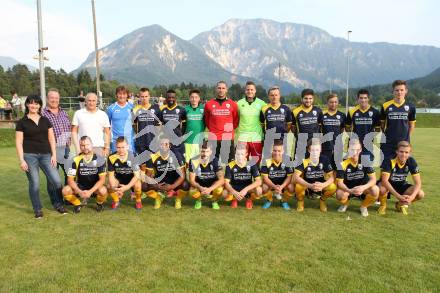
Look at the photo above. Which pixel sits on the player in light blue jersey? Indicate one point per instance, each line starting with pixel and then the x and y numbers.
pixel 119 114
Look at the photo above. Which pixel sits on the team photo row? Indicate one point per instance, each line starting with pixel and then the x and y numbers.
pixel 220 151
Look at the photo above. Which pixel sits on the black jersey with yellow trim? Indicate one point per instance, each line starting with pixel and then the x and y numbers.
pixel 176 113
pixel 277 172
pixel 146 117
pixel 332 122
pixel 353 174
pixel 206 174
pixel 307 120
pixel 363 122
pixel 276 117
pixel 123 168
pixel 318 172
pixel 166 169
pixel 241 176
pixel 398 171
pixel 87 173
pixel 396 118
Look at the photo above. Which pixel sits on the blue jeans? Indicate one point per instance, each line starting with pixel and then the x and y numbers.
pixel 35 162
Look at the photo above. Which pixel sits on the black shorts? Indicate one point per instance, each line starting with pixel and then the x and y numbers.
pixel 401 188
pixel 329 154
pixel 85 187
pixel 388 150
pixel 123 181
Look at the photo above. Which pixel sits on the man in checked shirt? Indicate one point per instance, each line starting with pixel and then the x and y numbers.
pixel 61 127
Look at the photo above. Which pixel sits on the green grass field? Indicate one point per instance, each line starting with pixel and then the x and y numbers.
pixel 226 250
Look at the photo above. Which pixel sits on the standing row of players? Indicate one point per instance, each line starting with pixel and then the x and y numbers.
pixel 250 119
pixel 164 175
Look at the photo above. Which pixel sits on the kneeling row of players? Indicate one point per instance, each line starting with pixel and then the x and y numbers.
pixel 164 175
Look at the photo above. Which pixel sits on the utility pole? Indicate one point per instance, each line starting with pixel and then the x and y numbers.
pixel 348 70
pixel 98 79
pixel 41 50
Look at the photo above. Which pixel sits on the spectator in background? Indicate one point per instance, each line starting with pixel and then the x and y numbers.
pixel 61 127
pixel 2 107
pixel 16 104
pixel 93 123
pixel 8 111
pixel 81 100
pixel 35 142
pixel 131 98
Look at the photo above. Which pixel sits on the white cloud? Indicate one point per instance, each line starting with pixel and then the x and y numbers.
pixel 68 40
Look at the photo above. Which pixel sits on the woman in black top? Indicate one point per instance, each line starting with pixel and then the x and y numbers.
pixel 35 142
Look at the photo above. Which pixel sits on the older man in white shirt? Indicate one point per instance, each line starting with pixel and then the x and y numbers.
pixel 93 123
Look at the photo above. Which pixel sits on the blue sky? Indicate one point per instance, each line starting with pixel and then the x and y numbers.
pixel 68 30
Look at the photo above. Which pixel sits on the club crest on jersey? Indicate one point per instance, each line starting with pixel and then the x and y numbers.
pixel 338 116
pixel 320 166
pixel 282 111
pixel 201 110
pixel 283 166
pixel 164 111
pixel 406 107
pixel 370 113
pixel 325 116
pixel 177 111
pixel 228 105
pixel 248 168
pixel 268 112
pixel 300 114
pixel 129 163
pixel 360 167
pixel 152 111
pixel 309 169
pixel 357 114
pixel 116 164
pixel 391 109
pixel 314 112
pixel 271 168
pixel 348 169
pixel 406 169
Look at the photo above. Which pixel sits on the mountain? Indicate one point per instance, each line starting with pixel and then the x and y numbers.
pixel 309 56
pixel 429 82
pixel 8 62
pixel 151 55
pixel 260 50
